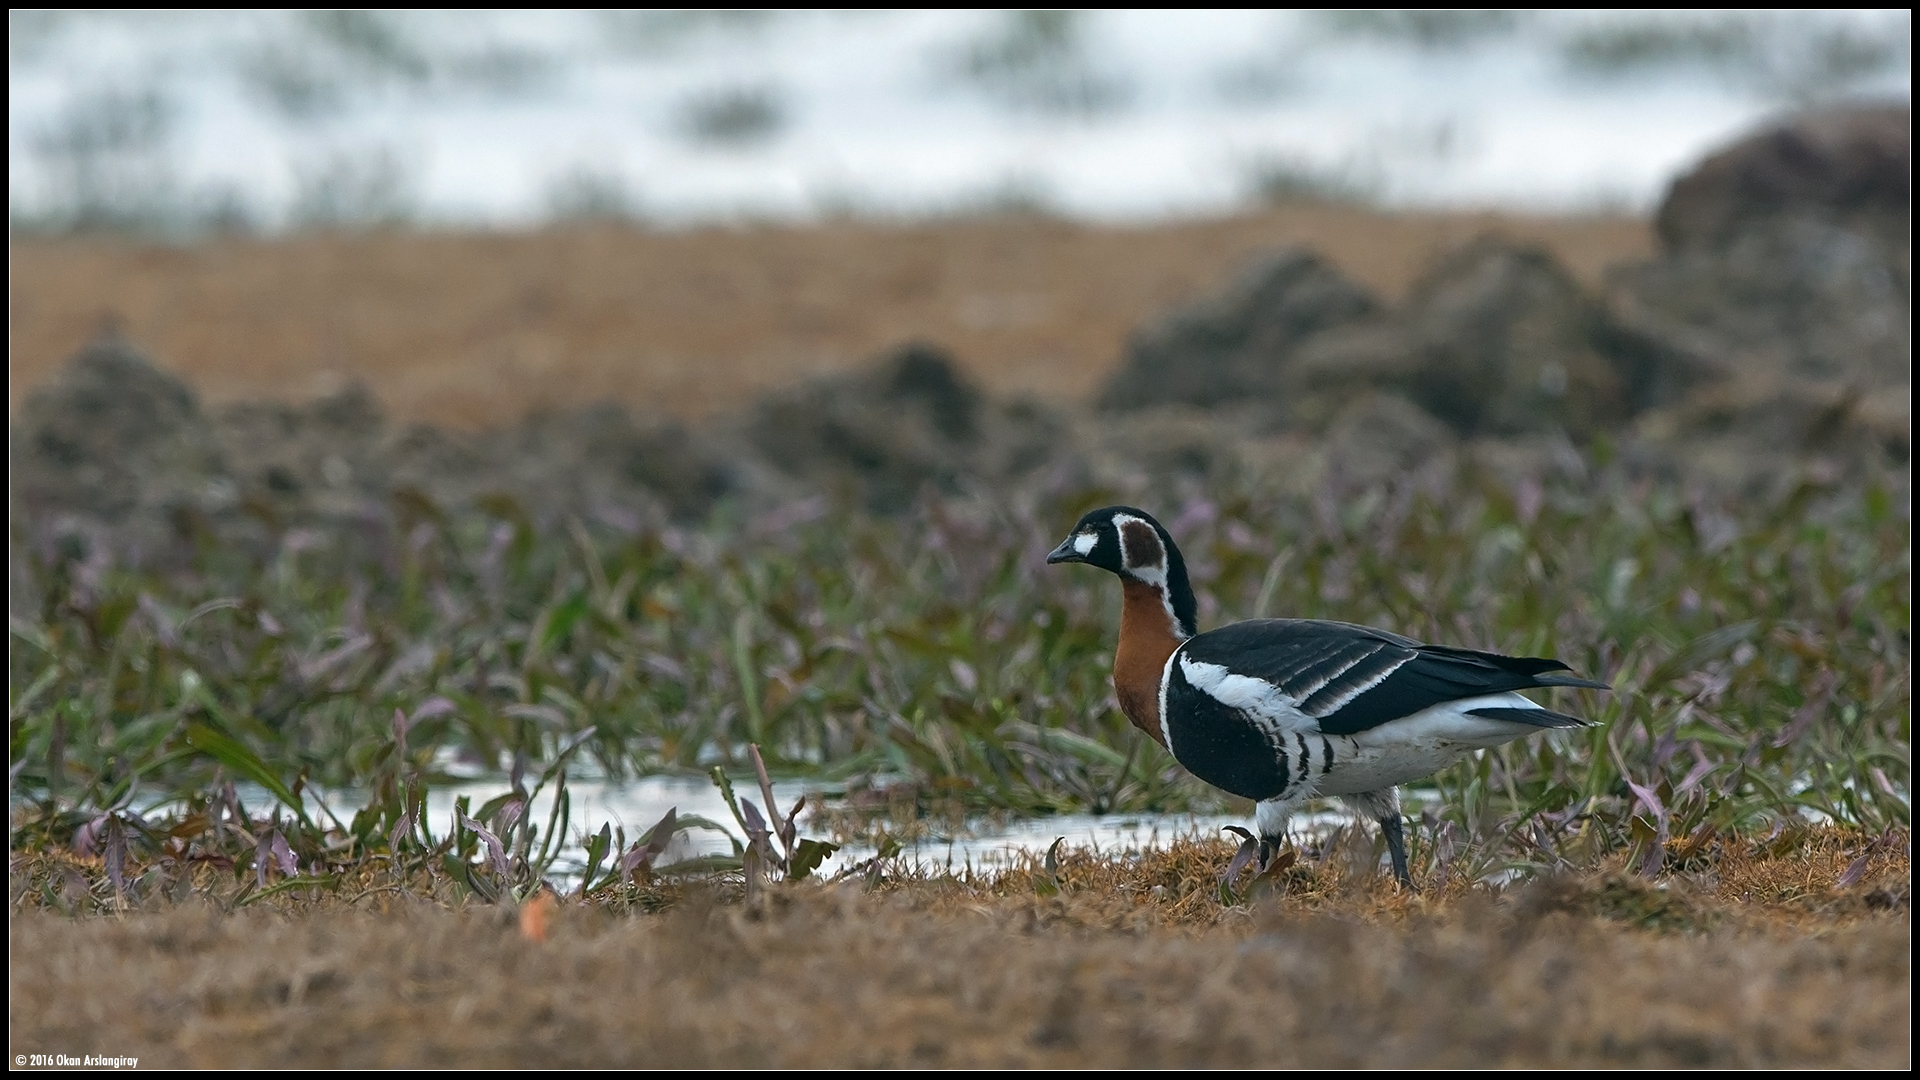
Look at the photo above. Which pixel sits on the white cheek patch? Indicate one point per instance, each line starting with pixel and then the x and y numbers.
pixel 1083 543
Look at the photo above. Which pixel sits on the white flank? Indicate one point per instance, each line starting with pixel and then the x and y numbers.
pixel 1419 745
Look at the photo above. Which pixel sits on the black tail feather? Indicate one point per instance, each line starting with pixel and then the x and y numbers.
pixel 1551 679
pixel 1545 718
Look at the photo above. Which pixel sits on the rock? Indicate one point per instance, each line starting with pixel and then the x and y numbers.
pixel 1846 165
pixel 573 461
pixel 1749 436
pixel 1786 255
pixel 322 457
pixel 1381 436
pixel 909 421
pixel 1236 346
pixel 121 445
pixel 114 438
pixel 1496 339
pixel 924 376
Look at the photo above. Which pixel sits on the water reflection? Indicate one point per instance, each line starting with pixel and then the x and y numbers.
pixel 635 805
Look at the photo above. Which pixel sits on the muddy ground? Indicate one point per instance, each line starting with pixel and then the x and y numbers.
pixel 1790 952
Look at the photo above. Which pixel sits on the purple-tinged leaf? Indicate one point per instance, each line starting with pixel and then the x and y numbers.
pixel 1885 785
pixel 1654 856
pixel 1527 497
pixel 573 742
pixel 311 671
pixel 544 714
pixel 402 829
pixel 1648 798
pixel 86 839
pixel 1855 870
pixel 662 832
pixel 650 847
pixel 1248 851
pixel 432 707
pixel 496 851
pixel 1277 866
pixel 664 665
pixel 635 860
pixel 73 886
pixel 400 726
pixel 163 625
pixel 1663 749
pixel 766 788
pixel 283 856
pixel 787 830
pixel 116 854
pixel 509 816
pixel 756 825
pixel 1701 767
pixel 1815 707
pixel 263 856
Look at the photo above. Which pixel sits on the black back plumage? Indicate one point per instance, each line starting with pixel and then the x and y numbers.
pixel 1351 678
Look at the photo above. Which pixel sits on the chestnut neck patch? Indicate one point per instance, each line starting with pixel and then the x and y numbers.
pixel 1142 546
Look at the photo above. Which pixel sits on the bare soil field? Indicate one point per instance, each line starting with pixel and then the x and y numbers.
pixel 473 331
pixel 1788 952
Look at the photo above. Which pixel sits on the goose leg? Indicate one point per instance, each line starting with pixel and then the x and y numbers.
pixel 1397 849
pixel 1270 824
pixel 1383 806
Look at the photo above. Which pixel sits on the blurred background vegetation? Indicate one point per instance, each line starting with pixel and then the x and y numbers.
pixel 1678 461
pixel 184 124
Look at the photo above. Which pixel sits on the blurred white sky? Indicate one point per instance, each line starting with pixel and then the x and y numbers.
pixel 509 118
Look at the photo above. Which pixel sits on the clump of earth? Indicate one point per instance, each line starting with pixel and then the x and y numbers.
pixel 1768 336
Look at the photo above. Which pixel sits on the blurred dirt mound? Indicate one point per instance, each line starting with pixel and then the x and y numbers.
pixel 1773 326
pixel 114 440
pixel 1495 339
pixel 600 461
pixel 1788 254
pixel 1847 165
pixel 1769 337
pixel 1786 271
pixel 1237 345
pixel 906 422
pixel 118 444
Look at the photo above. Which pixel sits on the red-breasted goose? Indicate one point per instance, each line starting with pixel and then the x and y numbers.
pixel 1284 710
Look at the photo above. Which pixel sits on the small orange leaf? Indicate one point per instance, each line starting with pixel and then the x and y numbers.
pixel 533 917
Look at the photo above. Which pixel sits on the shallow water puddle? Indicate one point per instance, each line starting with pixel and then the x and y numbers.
pixel 635 805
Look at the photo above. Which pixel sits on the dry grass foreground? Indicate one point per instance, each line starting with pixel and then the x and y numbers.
pixel 471 331
pixel 1790 951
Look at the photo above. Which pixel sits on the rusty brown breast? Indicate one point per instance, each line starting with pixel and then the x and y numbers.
pixel 1148 636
